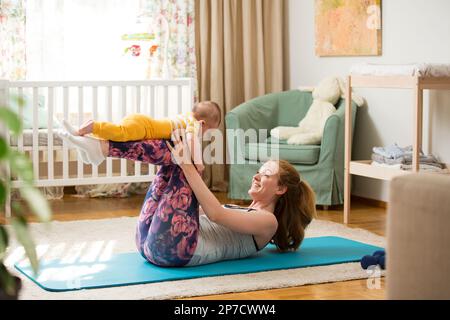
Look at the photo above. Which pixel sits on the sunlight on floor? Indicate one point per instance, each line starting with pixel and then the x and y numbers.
pixel 89 258
pixel 80 252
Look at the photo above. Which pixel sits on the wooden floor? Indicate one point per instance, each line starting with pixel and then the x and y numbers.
pixel 364 215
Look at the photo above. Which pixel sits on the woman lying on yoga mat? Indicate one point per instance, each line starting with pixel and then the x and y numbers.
pixel 172 229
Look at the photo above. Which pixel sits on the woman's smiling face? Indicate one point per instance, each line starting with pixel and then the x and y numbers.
pixel 265 183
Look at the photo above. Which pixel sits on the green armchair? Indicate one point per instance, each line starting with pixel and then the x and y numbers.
pixel 322 166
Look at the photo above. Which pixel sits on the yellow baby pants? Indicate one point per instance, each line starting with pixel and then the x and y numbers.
pixel 134 127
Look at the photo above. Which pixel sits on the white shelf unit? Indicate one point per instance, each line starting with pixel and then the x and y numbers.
pixel 364 168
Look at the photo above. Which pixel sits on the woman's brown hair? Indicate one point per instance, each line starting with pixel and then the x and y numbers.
pixel 294 210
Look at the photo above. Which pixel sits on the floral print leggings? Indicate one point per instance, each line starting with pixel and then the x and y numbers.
pixel 167 230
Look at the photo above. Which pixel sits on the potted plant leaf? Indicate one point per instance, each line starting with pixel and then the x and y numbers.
pixel 16 164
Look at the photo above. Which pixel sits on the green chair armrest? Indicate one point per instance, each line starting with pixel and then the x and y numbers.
pixel 332 147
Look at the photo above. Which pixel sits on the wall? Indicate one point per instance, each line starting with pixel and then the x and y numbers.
pixel 413 31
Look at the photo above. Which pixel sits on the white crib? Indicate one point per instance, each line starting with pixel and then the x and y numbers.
pixel 54 162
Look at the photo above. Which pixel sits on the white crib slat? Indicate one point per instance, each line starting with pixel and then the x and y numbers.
pixel 95 116
pixel 166 101
pixel 138 99
pixel 109 118
pixel 137 164
pixel 35 133
pixel 20 139
pixel 123 162
pixel 109 96
pixel 65 147
pixel 123 93
pixel 95 103
pixel 50 171
pixel 144 100
pixel 80 168
pixel 180 99
pixel 137 168
pixel 152 101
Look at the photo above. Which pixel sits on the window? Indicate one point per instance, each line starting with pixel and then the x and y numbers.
pixel 80 39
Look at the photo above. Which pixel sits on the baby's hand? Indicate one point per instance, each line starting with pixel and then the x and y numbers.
pixel 86 128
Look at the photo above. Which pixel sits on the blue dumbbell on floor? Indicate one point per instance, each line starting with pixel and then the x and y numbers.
pixel 379 253
pixel 377 258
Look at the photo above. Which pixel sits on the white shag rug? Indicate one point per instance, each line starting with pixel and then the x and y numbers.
pixel 72 240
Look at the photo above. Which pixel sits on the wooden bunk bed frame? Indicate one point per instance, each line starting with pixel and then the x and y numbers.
pixel 364 168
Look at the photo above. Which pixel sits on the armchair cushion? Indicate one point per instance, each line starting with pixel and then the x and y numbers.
pixel 296 154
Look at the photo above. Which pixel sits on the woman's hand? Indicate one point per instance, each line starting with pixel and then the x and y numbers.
pixel 180 152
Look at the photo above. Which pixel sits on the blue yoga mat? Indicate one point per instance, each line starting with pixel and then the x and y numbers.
pixel 131 268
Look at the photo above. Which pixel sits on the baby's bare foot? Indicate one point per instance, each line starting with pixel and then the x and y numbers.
pixel 69 128
pixel 86 128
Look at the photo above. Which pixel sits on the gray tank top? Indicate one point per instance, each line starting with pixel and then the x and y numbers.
pixel 219 243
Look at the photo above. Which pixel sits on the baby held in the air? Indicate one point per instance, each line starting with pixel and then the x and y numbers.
pixel 204 116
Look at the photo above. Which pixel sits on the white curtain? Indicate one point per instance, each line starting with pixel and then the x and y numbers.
pixel 80 39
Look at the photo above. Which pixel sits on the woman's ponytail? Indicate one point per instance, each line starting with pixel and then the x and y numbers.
pixel 294 210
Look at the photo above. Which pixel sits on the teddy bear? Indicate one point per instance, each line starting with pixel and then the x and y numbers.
pixel 310 128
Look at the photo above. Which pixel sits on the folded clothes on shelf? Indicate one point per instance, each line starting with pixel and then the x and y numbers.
pixel 393 151
pixel 385 165
pixel 408 167
pixel 423 167
pixel 407 160
pixel 396 157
